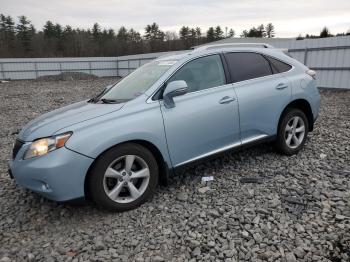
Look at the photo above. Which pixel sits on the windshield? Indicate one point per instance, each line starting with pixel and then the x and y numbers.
pixel 138 81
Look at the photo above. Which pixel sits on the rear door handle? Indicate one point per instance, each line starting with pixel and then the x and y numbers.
pixel 281 86
pixel 226 100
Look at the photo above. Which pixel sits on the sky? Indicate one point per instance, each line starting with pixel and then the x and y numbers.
pixel 290 18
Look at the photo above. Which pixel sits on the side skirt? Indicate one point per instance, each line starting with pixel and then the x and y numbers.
pixel 245 145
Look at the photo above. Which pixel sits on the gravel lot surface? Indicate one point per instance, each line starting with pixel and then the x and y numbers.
pixel 260 205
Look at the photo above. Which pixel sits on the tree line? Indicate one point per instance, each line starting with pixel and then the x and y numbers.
pixel 22 39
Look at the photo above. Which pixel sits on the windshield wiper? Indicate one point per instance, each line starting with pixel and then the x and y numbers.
pixel 109 101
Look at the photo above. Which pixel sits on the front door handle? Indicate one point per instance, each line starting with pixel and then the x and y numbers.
pixel 281 86
pixel 226 100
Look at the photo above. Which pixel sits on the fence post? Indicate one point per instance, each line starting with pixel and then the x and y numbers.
pixel 128 66
pixel 90 68
pixel 2 70
pixel 36 69
pixel 305 56
pixel 117 63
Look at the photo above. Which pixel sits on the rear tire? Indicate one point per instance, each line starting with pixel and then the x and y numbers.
pixel 123 178
pixel 292 131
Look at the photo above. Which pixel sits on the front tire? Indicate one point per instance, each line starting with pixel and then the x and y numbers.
pixel 292 131
pixel 123 177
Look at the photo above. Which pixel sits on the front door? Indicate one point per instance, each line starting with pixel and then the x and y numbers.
pixel 204 121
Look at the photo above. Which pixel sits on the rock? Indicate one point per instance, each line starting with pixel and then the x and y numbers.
pixel 99 245
pixel 229 253
pixel 256 220
pixel 262 211
pixel 196 252
pixel 30 257
pixel 299 252
pixel 182 196
pixel 5 259
pixel 214 213
pixel 299 228
pixel 257 237
pixel 323 156
pixel 203 190
pixel 339 217
pixel 245 234
pixel 157 259
pixel 266 255
pixel 275 202
pixel 211 244
pixel 290 257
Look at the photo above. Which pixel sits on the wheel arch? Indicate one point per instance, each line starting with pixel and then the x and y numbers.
pixel 304 106
pixel 164 169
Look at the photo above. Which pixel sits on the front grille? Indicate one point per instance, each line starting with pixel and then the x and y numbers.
pixel 16 147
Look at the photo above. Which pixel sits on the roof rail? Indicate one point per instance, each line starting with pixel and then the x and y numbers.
pixel 228 45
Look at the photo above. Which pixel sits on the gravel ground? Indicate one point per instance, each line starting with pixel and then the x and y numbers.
pixel 260 206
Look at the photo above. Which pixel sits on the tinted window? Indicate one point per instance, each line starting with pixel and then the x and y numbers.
pixel 202 73
pixel 278 66
pixel 244 66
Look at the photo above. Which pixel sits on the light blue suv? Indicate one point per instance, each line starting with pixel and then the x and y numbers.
pixel 167 114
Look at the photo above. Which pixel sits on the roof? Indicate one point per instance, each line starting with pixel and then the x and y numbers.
pixel 289 43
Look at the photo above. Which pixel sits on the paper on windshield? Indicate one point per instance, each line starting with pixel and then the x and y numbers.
pixel 167 63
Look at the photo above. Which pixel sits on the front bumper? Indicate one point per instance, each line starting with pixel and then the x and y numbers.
pixel 58 175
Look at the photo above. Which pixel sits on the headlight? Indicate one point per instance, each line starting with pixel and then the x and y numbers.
pixel 43 146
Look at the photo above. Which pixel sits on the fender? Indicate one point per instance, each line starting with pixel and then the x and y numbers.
pixel 136 121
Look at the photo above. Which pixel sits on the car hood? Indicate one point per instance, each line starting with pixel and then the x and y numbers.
pixel 50 123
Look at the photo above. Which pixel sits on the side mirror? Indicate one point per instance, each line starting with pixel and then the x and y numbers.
pixel 174 88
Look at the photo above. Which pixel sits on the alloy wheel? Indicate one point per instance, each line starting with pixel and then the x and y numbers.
pixel 126 179
pixel 294 132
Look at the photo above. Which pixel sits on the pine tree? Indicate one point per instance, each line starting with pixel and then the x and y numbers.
pixel 210 34
pixel 185 36
pixel 49 30
pixel 134 36
pixel 58 31
pixel 270 30
pixel 245 33
pixel 184 33
pixel 96 31
pixel 325 33
pixel 154 33
pixel 123 34
pixel 231 33
pixel 218 34
pixel 24 33
pixel 261 31
pixel 7 31
pixel 155 36
pixel 198 32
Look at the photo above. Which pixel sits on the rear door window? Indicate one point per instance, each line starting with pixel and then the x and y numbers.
pixel 245 66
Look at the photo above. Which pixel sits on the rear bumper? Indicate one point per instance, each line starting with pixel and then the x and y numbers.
pixel 58 176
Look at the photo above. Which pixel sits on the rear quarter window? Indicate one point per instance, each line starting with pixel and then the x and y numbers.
pixel 278 66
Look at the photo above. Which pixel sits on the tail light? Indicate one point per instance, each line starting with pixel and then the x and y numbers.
pixel 311 73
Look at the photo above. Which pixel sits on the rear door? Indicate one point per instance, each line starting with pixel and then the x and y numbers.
pixel 262 94
pixel 205 120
